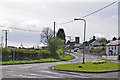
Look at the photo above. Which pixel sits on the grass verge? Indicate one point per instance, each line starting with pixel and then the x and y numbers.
pixel 67 57
pixel 88 66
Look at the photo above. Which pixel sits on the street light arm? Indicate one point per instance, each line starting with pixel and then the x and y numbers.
pixel 80 19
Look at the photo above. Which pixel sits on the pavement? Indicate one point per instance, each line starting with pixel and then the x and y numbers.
pixel 42 70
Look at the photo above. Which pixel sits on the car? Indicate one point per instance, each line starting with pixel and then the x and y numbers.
pixel 76 49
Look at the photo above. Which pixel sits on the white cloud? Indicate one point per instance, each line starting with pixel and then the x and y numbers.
pixel 36 15
pixel 32 24
pixel 59 0
pixel 5 25
pixel 114 17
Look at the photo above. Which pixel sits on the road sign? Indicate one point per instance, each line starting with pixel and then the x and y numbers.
pixel 63 49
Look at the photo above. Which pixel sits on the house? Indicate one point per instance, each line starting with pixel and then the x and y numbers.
pixel 95 43
pixel 84 44
pixel 113 48
pixel 77 45
pixel 87 43
pixel 90 41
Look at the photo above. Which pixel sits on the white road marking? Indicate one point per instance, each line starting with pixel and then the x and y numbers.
pixel 49 72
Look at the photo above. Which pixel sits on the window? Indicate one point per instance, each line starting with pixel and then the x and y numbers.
pixel 115 47
pixel 109 48
pixel 112 48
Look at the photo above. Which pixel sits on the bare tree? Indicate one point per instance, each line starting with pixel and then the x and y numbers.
pixel 47 33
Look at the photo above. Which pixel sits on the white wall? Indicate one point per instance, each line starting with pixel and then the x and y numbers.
pixel 114 50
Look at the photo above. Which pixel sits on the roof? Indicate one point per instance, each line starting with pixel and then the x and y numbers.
pixel 112 43
pixel 90 41
pixel 95 43
pixel 77 45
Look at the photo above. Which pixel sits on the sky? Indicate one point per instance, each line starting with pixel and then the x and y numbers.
pixel 37 14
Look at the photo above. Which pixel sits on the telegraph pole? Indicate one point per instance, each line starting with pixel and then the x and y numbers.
pixel 5 37
pixel 2 40
pixel 54 29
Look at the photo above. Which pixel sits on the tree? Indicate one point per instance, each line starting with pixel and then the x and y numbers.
pixel 61 34
pixel 47 33
pixel 55 44
pixel 103 40
pixel 114 38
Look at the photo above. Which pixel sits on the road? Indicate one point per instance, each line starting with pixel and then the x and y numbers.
pixel 42 70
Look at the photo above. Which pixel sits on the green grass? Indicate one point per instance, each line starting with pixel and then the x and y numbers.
pixel 67 57
pixel 88 66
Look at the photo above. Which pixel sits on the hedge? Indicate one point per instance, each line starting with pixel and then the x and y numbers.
pixel 24 54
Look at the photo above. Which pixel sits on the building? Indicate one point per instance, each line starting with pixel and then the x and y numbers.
pixel 77 39
pixel 90 41
pixel 95 43
pixel 113 48
pixel 77 45
pixel 87 43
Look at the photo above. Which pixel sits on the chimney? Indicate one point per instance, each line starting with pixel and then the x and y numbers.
pixel 93 37
pixel 77 40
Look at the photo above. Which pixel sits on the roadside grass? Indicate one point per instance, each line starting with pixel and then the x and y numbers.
pixel 88 66
pixel 67 57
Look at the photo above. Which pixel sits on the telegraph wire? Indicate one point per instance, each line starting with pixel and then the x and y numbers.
pixel 90 13
pixel 20 29
pixel 100 9
pixel 68 21
pixel 65 22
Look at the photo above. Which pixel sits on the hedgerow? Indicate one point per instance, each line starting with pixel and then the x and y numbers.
pixel 24 54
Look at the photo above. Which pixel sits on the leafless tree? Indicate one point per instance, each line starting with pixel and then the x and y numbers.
pixel 47 33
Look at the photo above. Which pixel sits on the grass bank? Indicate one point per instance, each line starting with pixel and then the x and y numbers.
pixel 88 66
pixel 67 57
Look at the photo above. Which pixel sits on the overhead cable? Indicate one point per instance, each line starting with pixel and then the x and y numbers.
pixel 90 13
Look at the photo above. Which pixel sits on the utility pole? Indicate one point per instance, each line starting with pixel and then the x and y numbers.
pixel 2 39
pixel 5 37
pixel 54 29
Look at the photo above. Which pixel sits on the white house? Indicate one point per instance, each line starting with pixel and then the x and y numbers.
pixel 113 48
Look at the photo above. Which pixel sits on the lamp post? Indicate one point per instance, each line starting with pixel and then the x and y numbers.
pixel 84 37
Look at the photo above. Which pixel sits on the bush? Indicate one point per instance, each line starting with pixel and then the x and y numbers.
pixel 54 46
pixel 24 54
pixel 6 54
pixel 59 52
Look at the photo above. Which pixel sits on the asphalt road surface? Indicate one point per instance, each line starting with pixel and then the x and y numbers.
pixel 42 70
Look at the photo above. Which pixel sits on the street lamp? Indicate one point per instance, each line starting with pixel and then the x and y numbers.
pixel 84 37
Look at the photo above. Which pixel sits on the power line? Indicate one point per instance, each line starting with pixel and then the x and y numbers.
pixel 20 29
pixel 99 9
pixel 68 21
pixel 90 13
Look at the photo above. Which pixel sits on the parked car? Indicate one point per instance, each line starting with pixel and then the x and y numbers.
pixel 76 49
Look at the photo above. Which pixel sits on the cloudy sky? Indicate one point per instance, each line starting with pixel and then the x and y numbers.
pixel 37 14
